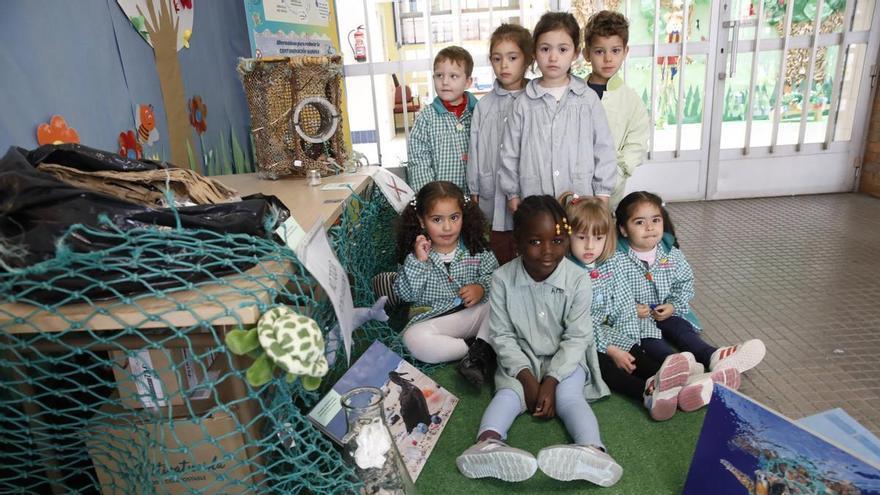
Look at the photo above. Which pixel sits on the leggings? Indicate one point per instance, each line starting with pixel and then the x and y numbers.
pixel 571 407
pixel 441 339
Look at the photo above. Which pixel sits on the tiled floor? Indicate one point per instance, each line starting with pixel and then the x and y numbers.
pixel 801 273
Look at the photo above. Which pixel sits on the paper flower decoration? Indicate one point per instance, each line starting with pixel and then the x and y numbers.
pixel 56 132
pixel 140 25
pixel 198 112
pixel 129 147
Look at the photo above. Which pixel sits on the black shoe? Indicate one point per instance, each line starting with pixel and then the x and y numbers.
pixel 478 366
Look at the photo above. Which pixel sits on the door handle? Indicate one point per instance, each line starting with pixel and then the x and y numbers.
pixel 734 46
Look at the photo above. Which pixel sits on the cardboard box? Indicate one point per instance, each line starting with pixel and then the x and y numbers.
pixel 152 378
pixel 139 452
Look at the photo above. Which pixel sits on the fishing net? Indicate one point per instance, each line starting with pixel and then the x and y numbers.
pixel 138 394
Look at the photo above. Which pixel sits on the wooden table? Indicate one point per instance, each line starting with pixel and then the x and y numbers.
pixel 306 203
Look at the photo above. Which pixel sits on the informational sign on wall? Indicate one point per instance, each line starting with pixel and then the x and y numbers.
pixel 316 12
pixel 291 27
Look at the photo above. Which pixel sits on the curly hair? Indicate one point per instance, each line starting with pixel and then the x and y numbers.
pixel 409 226
pixel 553 21
pixel 591 216
pixel 606 24
pixel 519 36
pixel 533 206
pixel 633 199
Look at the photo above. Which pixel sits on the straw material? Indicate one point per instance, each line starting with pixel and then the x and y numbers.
pixel 295 113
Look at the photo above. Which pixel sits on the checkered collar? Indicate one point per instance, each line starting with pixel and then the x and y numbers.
pixel 434 256
pixel 437 104
pixel 663 248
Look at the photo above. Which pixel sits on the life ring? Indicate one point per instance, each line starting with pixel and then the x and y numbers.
pixel 329 119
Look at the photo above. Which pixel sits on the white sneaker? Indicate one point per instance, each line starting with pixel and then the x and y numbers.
pixel 661 404
pixel 695 367
pixel 578 462
pixel 696 394
pixel 674 371
pixel 743 357
pixel 698 390
pixel 495 459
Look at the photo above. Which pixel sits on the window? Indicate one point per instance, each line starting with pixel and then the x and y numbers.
pixel 400 45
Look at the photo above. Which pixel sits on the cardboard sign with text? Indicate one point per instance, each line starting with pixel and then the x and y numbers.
pixel 148 378
pixel 205 454
pixel 317 256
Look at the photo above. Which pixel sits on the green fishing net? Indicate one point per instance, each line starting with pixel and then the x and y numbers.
pixel 138 393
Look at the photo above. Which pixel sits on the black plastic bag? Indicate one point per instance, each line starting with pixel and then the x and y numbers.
pixel 87 159
pixel 36 210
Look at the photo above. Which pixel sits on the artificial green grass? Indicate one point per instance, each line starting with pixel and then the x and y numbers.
pixel 655 456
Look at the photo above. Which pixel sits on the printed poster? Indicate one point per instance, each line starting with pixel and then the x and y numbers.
pixel 746 448
pixel 291 27
pixel 417 409
pixel 313 12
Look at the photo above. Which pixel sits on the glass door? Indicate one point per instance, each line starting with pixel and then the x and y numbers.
pixel 670 63
pixel 389 47
pixel 791 96
pixel 745 99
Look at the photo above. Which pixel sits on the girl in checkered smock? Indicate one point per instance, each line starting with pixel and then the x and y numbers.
pixel 663 285
pixel 445 270
pixel 625 366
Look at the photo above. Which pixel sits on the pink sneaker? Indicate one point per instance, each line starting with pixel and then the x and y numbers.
pixel 698 390
pixel 743 357
pixel 662 405
pixel 729 377
pixel 696 394
pixel 673 372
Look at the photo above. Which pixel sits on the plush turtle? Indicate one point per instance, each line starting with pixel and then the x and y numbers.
pixel 286 339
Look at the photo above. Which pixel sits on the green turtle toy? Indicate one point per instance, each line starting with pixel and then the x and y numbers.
pixel 286 339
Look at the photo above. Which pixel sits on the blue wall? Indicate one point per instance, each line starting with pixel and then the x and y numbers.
pixel 83 60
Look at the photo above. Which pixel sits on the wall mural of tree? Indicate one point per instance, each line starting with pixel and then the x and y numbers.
pixel 167 26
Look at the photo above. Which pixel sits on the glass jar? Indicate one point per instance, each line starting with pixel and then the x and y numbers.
pixel 350 166
pixel 313 177
pixel 369 445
